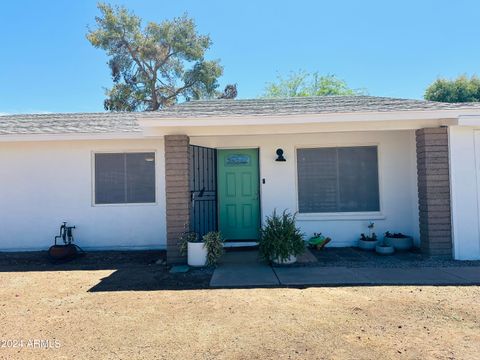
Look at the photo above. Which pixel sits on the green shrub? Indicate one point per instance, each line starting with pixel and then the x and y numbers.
pixel 280 237
pixel 213 242
pixel 214 245
pixel 185 238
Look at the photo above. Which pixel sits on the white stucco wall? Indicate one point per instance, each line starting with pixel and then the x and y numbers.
pixel 397 171
pixel 45 183
pixel 464 145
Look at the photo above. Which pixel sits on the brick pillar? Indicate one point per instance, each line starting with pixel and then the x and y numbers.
pixel 434 191
pixel 177 192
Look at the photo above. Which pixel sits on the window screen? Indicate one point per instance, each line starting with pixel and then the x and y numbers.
pixel 124 178
pixel 343 179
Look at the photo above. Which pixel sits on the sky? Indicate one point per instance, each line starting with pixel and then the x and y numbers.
pixel 388 48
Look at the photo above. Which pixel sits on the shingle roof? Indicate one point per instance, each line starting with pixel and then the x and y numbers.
pixel 303 105
pixel 98 123
pixel 81 123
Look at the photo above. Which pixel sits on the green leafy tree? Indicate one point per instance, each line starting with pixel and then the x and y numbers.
pixel 156 65
pixel 461 89
pixel 302 83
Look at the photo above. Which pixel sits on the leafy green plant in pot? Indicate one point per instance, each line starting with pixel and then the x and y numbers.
pixel 399 241
pixel 368 242
pixel 205 251
pixel 281 241
pixel 383 248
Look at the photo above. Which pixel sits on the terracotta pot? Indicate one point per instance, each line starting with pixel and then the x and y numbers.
pixel 60 252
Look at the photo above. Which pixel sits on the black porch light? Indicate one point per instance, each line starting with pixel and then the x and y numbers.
pixel 280 155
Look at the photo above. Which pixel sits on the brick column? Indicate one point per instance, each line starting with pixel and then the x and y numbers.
pixel 434 191
pixel 177 192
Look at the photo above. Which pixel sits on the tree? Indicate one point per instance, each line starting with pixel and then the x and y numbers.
pixel 156 65
pixel 302 83
pixel 230 92
pixel 461 89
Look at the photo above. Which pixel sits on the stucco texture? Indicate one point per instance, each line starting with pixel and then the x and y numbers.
pixel 45 183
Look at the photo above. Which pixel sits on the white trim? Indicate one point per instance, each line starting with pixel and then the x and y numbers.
pixel 285 129
pixel 389 119
pixel 73 137
pixel 234 244
pixel 375 215
pixel 476 153
pixel 215 120
pixel 361 215
pixel 119 151
pixel 452 181
pixel 414 187
pixel 469 120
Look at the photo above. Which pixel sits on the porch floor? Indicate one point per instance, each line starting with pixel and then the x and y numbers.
pixel 343 267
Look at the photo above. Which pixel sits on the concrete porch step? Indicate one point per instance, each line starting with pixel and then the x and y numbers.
pixel 238 244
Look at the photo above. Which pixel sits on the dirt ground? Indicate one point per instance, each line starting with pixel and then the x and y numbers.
pixel 95 314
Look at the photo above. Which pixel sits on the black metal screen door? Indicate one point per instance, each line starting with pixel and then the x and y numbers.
pixel 203 189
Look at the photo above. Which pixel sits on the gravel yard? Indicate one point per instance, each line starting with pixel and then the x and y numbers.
pixel 146 313
pixel 355 258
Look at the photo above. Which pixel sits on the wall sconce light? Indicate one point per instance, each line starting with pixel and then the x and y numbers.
pixel 280 155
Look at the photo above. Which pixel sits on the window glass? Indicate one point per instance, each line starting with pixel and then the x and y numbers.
pixel 343 179
pixel 124 178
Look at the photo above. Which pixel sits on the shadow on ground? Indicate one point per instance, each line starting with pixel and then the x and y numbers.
pixel 153 278
pixel 95 260
pixel 132 270
pixel 146 270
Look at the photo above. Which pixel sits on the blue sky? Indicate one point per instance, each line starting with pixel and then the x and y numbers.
pixel 390 49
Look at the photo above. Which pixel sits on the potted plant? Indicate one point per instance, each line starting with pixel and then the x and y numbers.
pixel 383 248
pixel 368 242
pixel 399 241
pixel 205 251
pixel 318 241
pixel 281 241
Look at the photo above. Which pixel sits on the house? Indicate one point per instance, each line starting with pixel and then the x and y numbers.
pixel 137 180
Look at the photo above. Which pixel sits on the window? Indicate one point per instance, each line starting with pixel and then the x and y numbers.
pixel 125 178
pixel 343 179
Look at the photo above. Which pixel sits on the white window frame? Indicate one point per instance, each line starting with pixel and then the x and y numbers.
pixel 361 215
pixel 130 151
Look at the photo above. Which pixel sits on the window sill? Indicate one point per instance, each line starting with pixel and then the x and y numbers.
pixel 125 204
pixel 340 216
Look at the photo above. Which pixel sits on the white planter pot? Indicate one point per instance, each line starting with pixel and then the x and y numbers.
pixel 401 244
pixel 384 250
pixel 290 260
pixel 367 245
pixel 196 254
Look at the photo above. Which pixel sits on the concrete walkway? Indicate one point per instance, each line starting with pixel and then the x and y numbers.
pixel 243 269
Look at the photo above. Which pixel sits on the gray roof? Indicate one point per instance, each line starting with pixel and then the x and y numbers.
pixel 98 123
pixel 303 105
pixel 81 123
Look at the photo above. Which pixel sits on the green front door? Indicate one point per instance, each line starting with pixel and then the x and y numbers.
pixel 238 194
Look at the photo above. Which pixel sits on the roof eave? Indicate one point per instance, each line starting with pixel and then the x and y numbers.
pixel 72 137
pixel 253 119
